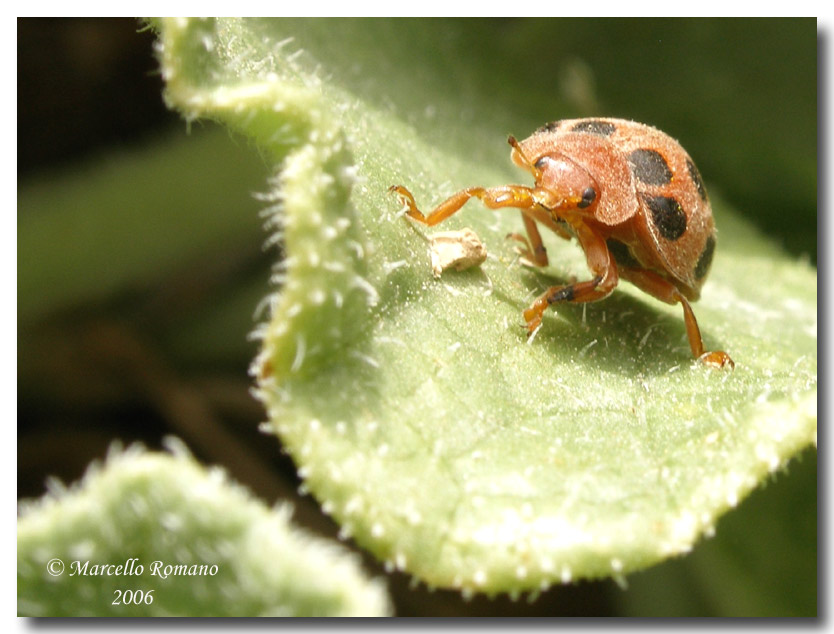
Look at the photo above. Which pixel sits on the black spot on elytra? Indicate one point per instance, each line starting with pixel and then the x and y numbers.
pixel 549 127
pixel 593 126
pixel 649 167
pixel 622 254
pixel 705 259
pixel 696 178
pixel 668 216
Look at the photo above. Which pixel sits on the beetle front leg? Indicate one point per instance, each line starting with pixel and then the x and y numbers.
pixel 600 263
pixel 493 197
pixel 665 291
pixel 527 199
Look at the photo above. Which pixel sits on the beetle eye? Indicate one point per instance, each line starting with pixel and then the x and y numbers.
pixel 588 197
pixel 541 162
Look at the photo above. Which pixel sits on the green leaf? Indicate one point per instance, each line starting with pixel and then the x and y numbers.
pixel 151 513
pixel 418 413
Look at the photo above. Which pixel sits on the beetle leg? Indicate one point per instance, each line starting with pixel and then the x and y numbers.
pixel 527 199
pixel 493 197
pixel 600 263
pixel 533 252
pixel 665 291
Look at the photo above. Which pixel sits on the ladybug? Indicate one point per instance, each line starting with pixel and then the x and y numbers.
pixel 629 194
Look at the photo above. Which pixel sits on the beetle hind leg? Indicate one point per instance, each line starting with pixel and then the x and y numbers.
pixel 715 358
pixel 665 291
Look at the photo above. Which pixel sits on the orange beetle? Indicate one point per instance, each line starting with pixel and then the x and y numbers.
pixel 628 193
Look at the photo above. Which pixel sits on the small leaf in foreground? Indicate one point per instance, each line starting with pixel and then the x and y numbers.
pixel 189 542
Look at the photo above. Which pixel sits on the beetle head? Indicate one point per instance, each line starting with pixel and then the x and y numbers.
pixel 570 186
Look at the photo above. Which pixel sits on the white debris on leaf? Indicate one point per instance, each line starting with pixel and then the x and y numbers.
pixel 460 250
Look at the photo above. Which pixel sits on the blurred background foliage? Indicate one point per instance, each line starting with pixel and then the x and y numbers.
pixel 140 262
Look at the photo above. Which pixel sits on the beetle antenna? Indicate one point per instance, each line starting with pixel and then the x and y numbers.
pixel 528 164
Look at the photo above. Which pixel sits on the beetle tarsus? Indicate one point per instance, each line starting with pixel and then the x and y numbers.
pixel 717 359
pixel 407 199
pixel 533 315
